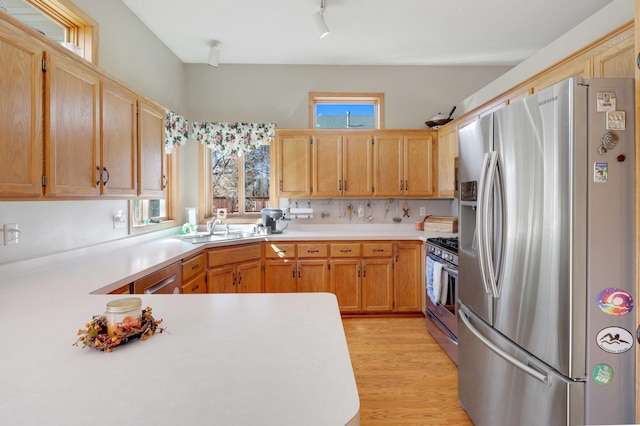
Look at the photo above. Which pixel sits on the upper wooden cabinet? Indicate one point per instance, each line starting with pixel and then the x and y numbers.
pixel 68 130
pixel 341 164
pixel 119 140
pixel 447 154
pixel 293 178
pixel 404 164
pixel 152 178
pixel 355 164
pixel 20 115
pixel 72 140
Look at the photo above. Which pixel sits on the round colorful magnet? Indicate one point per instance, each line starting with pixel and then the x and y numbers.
pixel 614 340
pixel 614 301
pixel 602 374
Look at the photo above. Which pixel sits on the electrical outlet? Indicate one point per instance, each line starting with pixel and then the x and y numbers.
pixel 11 234
pixel 423 211
pixel 221 213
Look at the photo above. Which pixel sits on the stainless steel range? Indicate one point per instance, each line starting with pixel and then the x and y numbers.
pixel 441 266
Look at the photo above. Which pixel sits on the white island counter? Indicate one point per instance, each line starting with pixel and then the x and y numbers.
pixel 254 359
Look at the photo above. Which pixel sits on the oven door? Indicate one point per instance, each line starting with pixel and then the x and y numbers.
pixel 441 319
pixel 165 281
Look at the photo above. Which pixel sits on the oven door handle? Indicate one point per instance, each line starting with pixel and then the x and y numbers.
pixel 444 265
pixel 451 271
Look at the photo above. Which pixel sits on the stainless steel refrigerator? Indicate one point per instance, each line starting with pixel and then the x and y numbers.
pixel 547 258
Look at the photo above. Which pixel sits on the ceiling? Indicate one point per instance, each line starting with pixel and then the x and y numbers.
pixel 363 32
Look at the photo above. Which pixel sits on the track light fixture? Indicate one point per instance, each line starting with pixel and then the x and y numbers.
pixel 318 21
pixel 214 55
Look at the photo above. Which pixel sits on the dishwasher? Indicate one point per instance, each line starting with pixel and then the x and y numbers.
pixel 167 280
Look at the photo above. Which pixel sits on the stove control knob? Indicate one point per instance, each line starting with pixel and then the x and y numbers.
pixel 446 256
pixel 438 252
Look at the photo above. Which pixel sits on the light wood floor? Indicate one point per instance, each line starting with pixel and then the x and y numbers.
pixel 403 376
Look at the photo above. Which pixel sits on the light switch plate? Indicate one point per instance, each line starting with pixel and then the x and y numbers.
pixel 11 234
pixel 119 221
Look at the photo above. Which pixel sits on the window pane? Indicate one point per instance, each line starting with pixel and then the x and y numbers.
pixel 224 182
pixel 345 115
pixel 148 211
pixel 256 178
pixel 37 20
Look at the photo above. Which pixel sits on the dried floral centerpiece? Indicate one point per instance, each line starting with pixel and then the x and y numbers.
pixel 95 336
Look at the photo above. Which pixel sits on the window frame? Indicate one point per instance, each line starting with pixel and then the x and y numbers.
pixel 172 195
pixel 205 210
pixel 377 98
pixel 81 29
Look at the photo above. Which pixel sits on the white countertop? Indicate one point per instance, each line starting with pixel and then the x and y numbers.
pixel 255 359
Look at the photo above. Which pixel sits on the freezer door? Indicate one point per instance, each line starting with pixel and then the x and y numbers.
pixel 540 298
pixel 500 384
pixel 475 140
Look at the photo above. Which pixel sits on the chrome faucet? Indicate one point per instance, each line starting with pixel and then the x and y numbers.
pixel 218 222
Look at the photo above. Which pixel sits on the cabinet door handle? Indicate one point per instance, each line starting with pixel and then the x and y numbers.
pixel 397 254
pixel 234 278
pixel 195 288
pixel 401 185
pixel 98 175
pixel 164 181
pixel 406 185
pixel 239 278
pixel 104 181
pixel 345 250
pixel 298 272
pixel 358 271
pixel 195 266
pixel 378 250
pixel 280 185
pixel 345 186
pixel 313 251
pixel 340 185
pixel 293 271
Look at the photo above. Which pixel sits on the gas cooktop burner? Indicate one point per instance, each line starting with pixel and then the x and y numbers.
pixel 448 243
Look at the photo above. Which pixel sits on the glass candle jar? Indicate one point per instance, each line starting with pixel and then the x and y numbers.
pixel 123 315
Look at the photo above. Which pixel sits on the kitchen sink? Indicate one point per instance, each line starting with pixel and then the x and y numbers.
pixel 199 238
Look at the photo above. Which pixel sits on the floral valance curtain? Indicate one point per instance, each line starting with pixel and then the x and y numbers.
pixel 176 131
pixel 234 138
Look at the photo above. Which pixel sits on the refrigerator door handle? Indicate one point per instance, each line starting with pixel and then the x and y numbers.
pixel 481 219
pixel 487 225
pixel 510 359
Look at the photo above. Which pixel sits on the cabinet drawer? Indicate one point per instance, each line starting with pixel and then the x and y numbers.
pixel 224 256
pixel 312 250
pixel 346 250
pixel 192 266
pixel 196 285
pixel 377 249
pixel 276 250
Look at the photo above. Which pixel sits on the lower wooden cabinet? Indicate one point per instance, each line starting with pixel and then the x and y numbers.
pixel 346 283
pixel 302 267
pixel 407 277
pixel 236 269
pixel 194 277
pixel 362 276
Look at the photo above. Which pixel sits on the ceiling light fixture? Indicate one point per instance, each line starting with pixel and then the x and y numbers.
pixel 214 55
pixel 318 21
